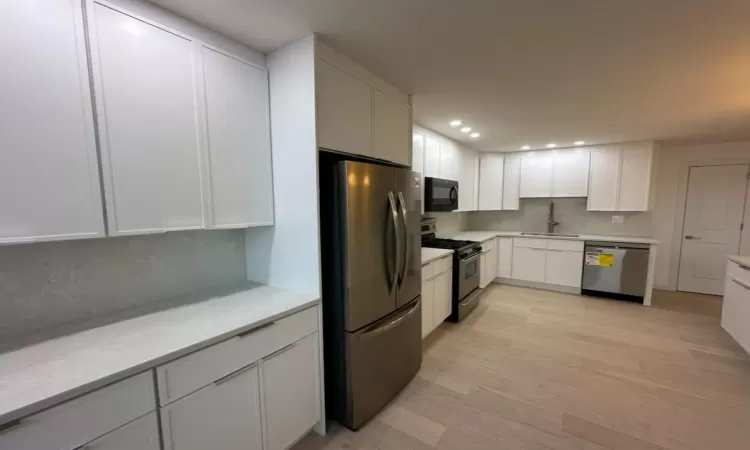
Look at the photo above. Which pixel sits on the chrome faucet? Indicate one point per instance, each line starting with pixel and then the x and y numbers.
pixel 551 224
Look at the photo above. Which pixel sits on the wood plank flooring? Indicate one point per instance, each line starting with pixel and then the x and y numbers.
pixel 538 370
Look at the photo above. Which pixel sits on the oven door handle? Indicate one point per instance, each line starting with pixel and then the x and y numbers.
pixel 472 258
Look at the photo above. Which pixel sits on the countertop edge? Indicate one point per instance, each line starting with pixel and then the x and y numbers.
pixel 581 237
pixel 741 260
pixel 85 388
pixel 436 257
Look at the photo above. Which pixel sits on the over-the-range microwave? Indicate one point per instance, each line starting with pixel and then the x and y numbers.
pixel 440 194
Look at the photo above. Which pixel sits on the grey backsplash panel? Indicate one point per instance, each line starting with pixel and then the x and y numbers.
pixel 47 285
pixel 570 212
pixel 449 223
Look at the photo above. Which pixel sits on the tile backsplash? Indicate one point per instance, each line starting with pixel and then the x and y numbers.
pixel 47 285
pixel 448 223
pixel 570 212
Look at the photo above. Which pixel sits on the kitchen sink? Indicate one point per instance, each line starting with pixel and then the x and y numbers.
pixel 551 234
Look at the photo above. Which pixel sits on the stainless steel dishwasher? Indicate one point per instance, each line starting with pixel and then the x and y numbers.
pixel 615 270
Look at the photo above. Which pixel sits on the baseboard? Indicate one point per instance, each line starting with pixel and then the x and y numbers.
pixel 535 285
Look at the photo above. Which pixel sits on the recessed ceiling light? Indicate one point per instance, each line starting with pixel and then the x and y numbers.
pixel 578 143
pixel 525 147
pixel 456 123
pixel 551 145
pixel 474 135
pixel 465 129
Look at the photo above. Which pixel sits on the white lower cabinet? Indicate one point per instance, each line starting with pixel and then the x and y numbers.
pixel 735 314
pixel 564 268
pixel 428 306
pixel 437 293
pixel 529 263
pixel 141 434
pixel 504 257
pixel 225 414
pixel 549 261
pixel 291 393
pixel 443 297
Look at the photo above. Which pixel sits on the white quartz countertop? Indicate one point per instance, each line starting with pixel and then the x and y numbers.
pixel 741 260
pixel 42 375
pixel 483 235
pixel 431 254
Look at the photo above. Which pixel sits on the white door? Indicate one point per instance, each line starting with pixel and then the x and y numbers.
pixel 564 268
pixel 491 175
pixel 225 415
pixel 511 182
pixel 504 250
pixel 148 131
pixel 391 129
pixel 536 175
pixel 443 296
pixel 428 307
pixel 711 231
pixel 140 434
pixel 417 162
pixel 431 157
pixel 344 106
pixel 291 393
pixel 529 263
pixel 239 146
pixel 49 172
pixel 604 179
pixel 635 177
pixel 570 173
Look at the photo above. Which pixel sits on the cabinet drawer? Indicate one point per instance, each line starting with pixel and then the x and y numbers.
pixel 488 245
pixel 190 373
pixel 739 272
pixel 84 419
pixel 573 246
pixel 428 271
pixel 442 264
pixel 530 243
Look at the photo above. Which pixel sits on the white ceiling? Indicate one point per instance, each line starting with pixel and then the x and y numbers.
pixel 529 72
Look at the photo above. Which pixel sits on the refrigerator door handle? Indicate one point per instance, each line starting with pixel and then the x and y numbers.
pixel 380 329
pixel 391 259
pixel 405 244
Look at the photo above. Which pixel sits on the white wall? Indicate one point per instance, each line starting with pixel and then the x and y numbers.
pixel 670 183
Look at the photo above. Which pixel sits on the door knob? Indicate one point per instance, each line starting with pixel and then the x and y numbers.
pixel 688 237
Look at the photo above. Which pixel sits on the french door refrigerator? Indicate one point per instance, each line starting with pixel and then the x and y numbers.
pixel 372 279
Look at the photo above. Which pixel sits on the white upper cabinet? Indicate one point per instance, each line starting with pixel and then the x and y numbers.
pixel 511 181
pixel 344 110
pixel 48 165
pixel 570 173
pixel 417 162
pixel 536 174
pixel 620 177
pixel 239 149
pixel 146 102
pixel 449 161
pixel 391 129
pixel 431 157
pixel 491 182
pixel 468 183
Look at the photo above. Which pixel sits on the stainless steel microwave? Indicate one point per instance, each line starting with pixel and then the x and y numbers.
pixel 440 194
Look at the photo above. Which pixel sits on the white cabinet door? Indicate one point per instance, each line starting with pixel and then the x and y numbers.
pixel 417 162
pixel 511 182
pixel 491 262
pixel 140 434
pixel 736 310
pixel 529 263
pixel 536 175
pixel 428 307
pixel 570 173
pixel 604 179
pixel 635 177
pixel 48 165
pixel 450 162
pixel 225 414
pixel 443 296
pixel 491 176
pixel 239 147
pixel 145 80
pixel 431 157
pixel 344 110
pixel 564 268
pixel 468 167
pixel 391 129
pixel 504 250
pixel 291 393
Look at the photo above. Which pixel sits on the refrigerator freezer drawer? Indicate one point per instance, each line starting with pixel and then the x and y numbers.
pixel 381 360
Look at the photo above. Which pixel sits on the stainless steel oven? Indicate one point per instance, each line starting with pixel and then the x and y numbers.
pixel 440 194
pixel 468 273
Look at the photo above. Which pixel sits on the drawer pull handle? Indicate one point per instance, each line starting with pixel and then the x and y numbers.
pixel 9 425
pixel 254 330
pixel 234 374
pixel 281 350
pixel 741 284
pixel 743 267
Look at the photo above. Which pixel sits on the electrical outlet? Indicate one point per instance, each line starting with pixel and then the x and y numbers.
pixel 618 219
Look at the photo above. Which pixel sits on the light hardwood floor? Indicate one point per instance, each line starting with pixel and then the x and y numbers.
pixel 539 370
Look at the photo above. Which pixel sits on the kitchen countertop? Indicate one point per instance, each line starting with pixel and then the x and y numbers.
pixel 481 236
pixel 42 375
pixel 741 260
pixel 431 254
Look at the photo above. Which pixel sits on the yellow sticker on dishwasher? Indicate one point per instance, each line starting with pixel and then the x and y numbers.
pixel 606 259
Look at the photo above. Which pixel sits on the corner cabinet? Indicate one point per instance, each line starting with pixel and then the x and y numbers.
pixel 48 164
pixel 620 177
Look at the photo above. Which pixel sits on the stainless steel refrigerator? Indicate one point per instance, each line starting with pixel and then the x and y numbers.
pixel 370 239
